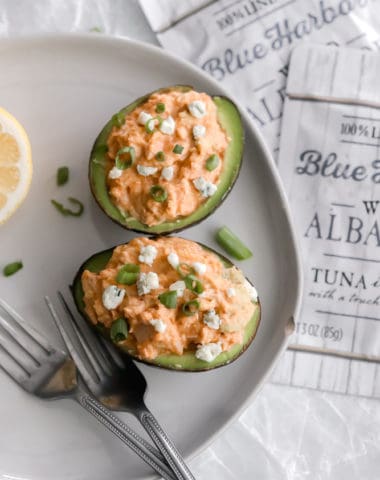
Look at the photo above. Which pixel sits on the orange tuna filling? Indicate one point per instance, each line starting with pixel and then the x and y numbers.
pixel 182 333
pixel 131 191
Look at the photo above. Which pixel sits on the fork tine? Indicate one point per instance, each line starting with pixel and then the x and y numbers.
pixel 12 367
pixel 74 347
pixel 27 339
pixel 30 345
pixel 111 352
pixel 90 340
pixel 18 352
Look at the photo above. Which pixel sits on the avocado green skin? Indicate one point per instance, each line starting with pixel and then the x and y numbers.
pixel 230 120
pixel 184 363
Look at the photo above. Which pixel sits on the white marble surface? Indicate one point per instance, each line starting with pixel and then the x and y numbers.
pixel 287 433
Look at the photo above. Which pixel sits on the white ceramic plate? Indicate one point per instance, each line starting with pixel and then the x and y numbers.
pixel 63 89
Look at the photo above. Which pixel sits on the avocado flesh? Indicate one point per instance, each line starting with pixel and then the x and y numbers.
pixel 229 119
pixel 185 362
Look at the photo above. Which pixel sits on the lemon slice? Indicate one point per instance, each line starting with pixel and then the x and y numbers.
pixel 15 164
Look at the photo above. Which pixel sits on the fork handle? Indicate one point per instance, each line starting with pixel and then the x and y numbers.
pixel 164 444
pixel 128 436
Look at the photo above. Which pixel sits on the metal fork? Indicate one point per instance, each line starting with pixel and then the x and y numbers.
pixel 114 380
pixel 42 370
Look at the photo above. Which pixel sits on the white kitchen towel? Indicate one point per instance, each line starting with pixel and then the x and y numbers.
pixel 329 161
pixel 245 44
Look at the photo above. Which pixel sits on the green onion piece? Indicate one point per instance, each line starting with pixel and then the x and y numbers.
pixel 193 283
pixel 149 125
pixel 212 162
pixel 131 267
pixel 59 207
pixel 119 330
pixel 118 119
pixel 159 120
pixel 128 162
pixel 12 268
pixel 66 211
pixel 158 193
pixel 127 278
pixel 232 244
pixel 160 156
pixel 62 175
pixel 160 107
pixel 128 274
pixel 190 308
pixel 185 269
pixel 168 299
pixel 178 148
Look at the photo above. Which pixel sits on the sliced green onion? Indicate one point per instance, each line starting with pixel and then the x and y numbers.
pixel 159 120
pixel 160 107
pixel 193 283
pixel 178 148
pixel 127 278
pixel 119 330
pixel 131 267
pixel 128 274
pixel 118 119
pixel 168 299
pixel 62 175
pixel 150 125
pixel 66 211
pixel 160 156
pixel 190 308
pixel 185 269
pixel 12 268
pixel 158 193
pixel 232 244
pixel 212 162
pixel 128 162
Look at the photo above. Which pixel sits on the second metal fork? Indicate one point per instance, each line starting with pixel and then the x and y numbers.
pixel 114 380
pixel 42 370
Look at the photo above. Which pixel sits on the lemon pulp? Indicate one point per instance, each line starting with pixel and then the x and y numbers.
pixel 15 164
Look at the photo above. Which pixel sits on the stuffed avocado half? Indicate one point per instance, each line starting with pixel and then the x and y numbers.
pixel 169 302
pixel 167 160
